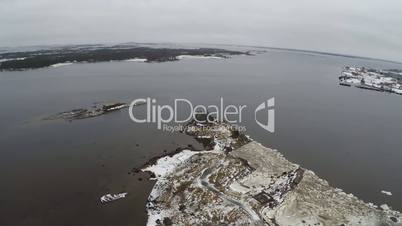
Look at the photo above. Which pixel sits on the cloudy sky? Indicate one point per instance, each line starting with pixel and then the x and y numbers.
pixel 370 28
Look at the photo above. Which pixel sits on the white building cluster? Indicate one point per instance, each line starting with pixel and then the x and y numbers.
pixel 379 80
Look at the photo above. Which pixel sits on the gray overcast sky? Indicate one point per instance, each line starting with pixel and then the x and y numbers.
pixel 370 28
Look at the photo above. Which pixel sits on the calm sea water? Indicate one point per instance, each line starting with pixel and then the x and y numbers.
pixel 53 172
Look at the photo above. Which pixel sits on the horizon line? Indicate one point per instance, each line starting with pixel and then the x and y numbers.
pixel 219 44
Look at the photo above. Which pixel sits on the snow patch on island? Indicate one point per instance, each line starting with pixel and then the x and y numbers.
pixel 166 165
pixel 60 64
pixel 136 60
pixel 181 57
pixel 10 59
pixel 162 168
pixel 386 193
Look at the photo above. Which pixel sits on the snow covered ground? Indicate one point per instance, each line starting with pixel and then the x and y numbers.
pixel 250 185
pixel 60 64
pixel 136 60
pixel 5 60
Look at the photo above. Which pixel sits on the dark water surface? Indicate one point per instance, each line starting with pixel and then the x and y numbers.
pixel 53 172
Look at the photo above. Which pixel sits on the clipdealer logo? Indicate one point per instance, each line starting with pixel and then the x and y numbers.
pixel 268 106
pixel 162 115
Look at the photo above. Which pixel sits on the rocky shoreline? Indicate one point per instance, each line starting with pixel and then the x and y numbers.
pixel 97 109
pixel 238 181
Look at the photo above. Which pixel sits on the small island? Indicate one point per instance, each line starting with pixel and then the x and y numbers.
pixel 372 79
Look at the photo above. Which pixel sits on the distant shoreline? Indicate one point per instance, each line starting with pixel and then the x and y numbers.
pixel 16 61
pixel 6 49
